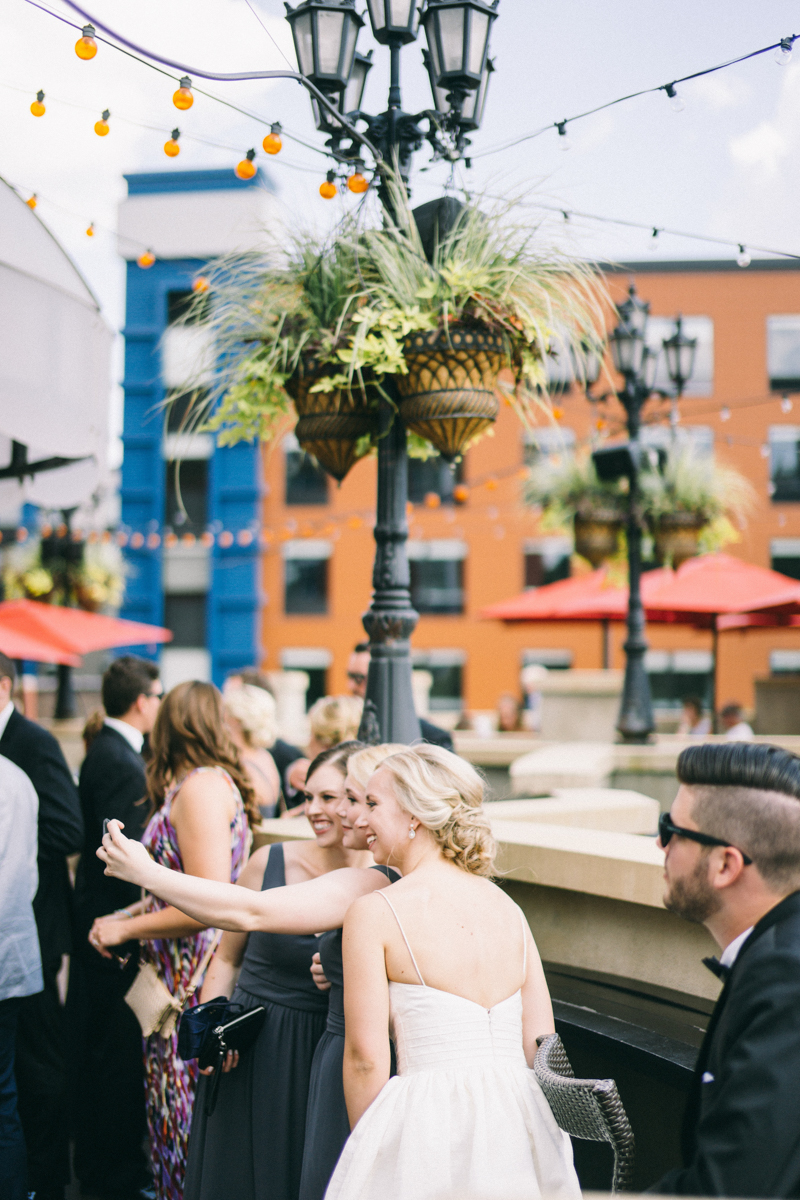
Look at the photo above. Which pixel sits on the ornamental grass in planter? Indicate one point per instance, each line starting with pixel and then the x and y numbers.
pixel 488 300
pixel 692 504
pixel 569 493
pixel 335 325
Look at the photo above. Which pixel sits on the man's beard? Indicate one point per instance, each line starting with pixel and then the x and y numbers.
pixel 693 897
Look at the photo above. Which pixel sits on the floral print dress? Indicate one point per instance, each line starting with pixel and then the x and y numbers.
pixel 170 1082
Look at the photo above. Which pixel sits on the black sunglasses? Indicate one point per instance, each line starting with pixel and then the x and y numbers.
pixel 666 828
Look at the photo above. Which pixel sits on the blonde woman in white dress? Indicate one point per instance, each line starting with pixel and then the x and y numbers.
pixel 445 961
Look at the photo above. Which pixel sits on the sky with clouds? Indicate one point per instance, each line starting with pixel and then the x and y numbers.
pixel 727 166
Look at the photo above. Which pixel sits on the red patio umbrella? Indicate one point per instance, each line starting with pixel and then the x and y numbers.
pixel 73 631
pixel 711 591
pixel 20 646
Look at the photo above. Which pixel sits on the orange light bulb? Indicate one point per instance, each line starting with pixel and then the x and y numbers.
pixel 31 201
pixel 432 500
pixel 558 413
pixel 146 259
pixel 246 169
pixel 102 127
pixel 171 148
pixel 86 46
pixel 37 108
pixel 90 230
pixel 357 183
pixel 272 142
pixel 200 284
pixel 328 189
pixel 183 98
pixel 461 493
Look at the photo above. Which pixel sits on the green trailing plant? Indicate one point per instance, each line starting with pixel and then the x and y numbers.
pixel 566 486
pixel 698 485
pixel 347 303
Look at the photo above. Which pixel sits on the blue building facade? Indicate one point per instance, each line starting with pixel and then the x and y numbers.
pixel 204 582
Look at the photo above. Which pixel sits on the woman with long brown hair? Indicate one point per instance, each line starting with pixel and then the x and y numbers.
pixel 201 800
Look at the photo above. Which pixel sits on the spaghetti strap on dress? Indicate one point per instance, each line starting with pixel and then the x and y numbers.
pixel 464 1116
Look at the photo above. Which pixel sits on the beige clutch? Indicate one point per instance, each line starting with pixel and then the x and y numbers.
pixel 155 1008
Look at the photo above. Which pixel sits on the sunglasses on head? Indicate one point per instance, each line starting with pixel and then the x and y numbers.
pixel 356 677
pixel 666 828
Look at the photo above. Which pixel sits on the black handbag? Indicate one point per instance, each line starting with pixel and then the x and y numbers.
pixel 210 1030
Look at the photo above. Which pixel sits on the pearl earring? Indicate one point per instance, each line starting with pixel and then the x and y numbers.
pixel 412 833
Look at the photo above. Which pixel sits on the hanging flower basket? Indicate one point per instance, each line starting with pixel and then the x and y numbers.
pixel 677 537
pixel 448 395
pixel 597 536
pixel 331 424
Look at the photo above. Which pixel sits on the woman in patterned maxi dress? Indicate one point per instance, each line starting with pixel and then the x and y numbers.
pixel 202 801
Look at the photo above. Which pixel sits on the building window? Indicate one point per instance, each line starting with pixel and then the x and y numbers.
pixel 186 495
pixel 702 328
pixel 306 576
pixel 783 353
pixel 447 671
pixel 785 556
pixel 697 439
pixel 546 560
pixel 315 663
pixel 437 575
pixel 433 475
pixel 676 674
pixel 306 482
pixel 784 461
pixel 553 660
pixel 784 662
pixel 549 441
pixel 185 615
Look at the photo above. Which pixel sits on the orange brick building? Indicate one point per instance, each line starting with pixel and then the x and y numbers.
pixel 466 555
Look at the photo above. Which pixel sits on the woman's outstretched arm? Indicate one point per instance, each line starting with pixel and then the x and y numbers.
pixel 311 907
pixel 367 1055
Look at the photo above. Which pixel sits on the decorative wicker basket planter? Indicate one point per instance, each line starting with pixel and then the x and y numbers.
pixel 330 424
pixel 597 536
pixel 677 537
pixel 448 395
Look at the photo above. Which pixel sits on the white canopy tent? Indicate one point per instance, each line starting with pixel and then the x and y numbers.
pixel 55 353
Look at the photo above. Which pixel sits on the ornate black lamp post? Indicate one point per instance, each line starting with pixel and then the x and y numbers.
pixel 680 352
pixel 325 33
pixel 636 363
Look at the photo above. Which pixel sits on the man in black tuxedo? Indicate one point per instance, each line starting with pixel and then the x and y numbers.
pixel 357 669
pixel 40 1049
pixel 107 1067
pixel 732 843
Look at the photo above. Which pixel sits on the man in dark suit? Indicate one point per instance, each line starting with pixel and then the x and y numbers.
pixel 732 843
pixel 40 1049
pixel 357 669
pixel 107 1066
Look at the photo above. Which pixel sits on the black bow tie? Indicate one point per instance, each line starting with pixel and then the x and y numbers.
pixel 717 968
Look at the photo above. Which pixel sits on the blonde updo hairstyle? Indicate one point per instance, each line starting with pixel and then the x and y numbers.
pixel 445 794
pixel 335 719
pixel 255 711
pixel 366 762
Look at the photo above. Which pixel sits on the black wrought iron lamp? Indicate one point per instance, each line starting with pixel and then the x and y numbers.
pixel 680 352
pixel 325 33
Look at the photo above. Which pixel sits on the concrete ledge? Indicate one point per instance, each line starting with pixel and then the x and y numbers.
pixel 611 809
pixel 562 765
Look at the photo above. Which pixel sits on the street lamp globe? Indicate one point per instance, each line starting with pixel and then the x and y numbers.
pixel 475 102
pixel 393 21
pixel 680 352
pixel 353 95
pixel 627 349
pixel 324 33
pixel 458 40
pixel 440 101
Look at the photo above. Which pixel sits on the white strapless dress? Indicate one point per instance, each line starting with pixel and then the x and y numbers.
pixel 464 1117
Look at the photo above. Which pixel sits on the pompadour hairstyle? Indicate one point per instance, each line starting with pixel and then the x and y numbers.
pixel 748 795
pixel 741 765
